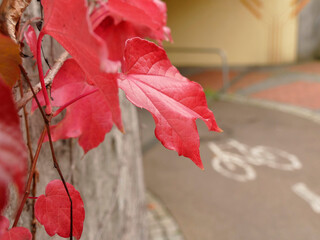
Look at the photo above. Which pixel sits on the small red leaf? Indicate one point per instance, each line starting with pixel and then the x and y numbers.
pixel 13 153
pixel 16 233
pixel 151 82
pixel 31 39
pixel 68 22
pixel 52 210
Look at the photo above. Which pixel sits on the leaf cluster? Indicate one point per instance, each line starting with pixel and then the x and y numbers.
pixel 108 51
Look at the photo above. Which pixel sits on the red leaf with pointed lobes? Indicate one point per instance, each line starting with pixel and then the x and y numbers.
pixel 52 210
pixel 16 233
pixel 117 21
pixel 13 153
pixel 88 118
pixel 31 39
pixel 151 82
pixel 68 22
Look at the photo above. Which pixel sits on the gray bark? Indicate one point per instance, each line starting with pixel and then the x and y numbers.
pixel 109 178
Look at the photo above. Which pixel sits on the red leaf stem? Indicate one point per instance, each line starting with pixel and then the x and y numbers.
pixel 41 76
pixel 56 113
pixel 33 197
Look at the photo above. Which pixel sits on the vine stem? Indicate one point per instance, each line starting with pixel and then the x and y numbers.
pixel 41 76
pixel 33 197
pixel 32 170
pixel 33 165
pixel 26 123
pixel 55 162
pixel 48 80
pixel 29 144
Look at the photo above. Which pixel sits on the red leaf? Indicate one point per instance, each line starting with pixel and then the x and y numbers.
pixel 16 233
pixel 88 118
pixel 148 15
pixel 13 154
pixel 4 195
pixel 4 225
pixel 118 20
pixel 115 35
pixel 67 22
pixel 151 82
pixel 53 210
pixel 31 39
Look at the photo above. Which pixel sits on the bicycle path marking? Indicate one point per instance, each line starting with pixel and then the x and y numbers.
pixel 235 160
pixel 306 194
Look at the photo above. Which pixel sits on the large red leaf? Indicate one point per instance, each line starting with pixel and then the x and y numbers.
pixel 16 233
pixel 88 118
pixel 67 22
pixel 118 20
pixel 151 82
pixel 52 210
pixel 13 153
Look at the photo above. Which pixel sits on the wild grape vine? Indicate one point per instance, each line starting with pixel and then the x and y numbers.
pixel 107 50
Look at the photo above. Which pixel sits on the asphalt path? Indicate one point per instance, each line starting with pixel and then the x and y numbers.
pixel 261 179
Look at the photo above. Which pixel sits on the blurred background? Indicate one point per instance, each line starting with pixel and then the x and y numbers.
pixel 257 61
pixel 251 32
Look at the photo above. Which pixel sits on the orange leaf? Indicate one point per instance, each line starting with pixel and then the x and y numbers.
pixel 9 60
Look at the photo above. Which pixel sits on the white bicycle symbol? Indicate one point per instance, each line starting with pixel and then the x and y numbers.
pixel 234 160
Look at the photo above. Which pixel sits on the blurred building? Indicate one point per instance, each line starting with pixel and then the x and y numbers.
pixel 251 32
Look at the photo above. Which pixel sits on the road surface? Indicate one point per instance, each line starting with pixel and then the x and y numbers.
pixel 261 179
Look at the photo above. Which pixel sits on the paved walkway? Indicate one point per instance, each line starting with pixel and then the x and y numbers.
pixel 161 223
pixel 296 85
pixel 262 174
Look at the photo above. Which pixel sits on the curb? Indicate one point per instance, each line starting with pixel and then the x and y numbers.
pixel 162 225
pixel 295 110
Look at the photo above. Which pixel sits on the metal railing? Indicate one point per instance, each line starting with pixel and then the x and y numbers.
pixel 217 51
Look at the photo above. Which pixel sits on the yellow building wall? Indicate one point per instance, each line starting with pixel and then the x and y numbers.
pixel 251 32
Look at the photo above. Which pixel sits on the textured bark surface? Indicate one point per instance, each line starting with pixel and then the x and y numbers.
pixel 109 178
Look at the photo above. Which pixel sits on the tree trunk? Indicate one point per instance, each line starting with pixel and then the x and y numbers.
pixel 109 178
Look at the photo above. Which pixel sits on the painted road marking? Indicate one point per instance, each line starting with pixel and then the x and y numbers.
pixel 234 159
pixel 306 194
